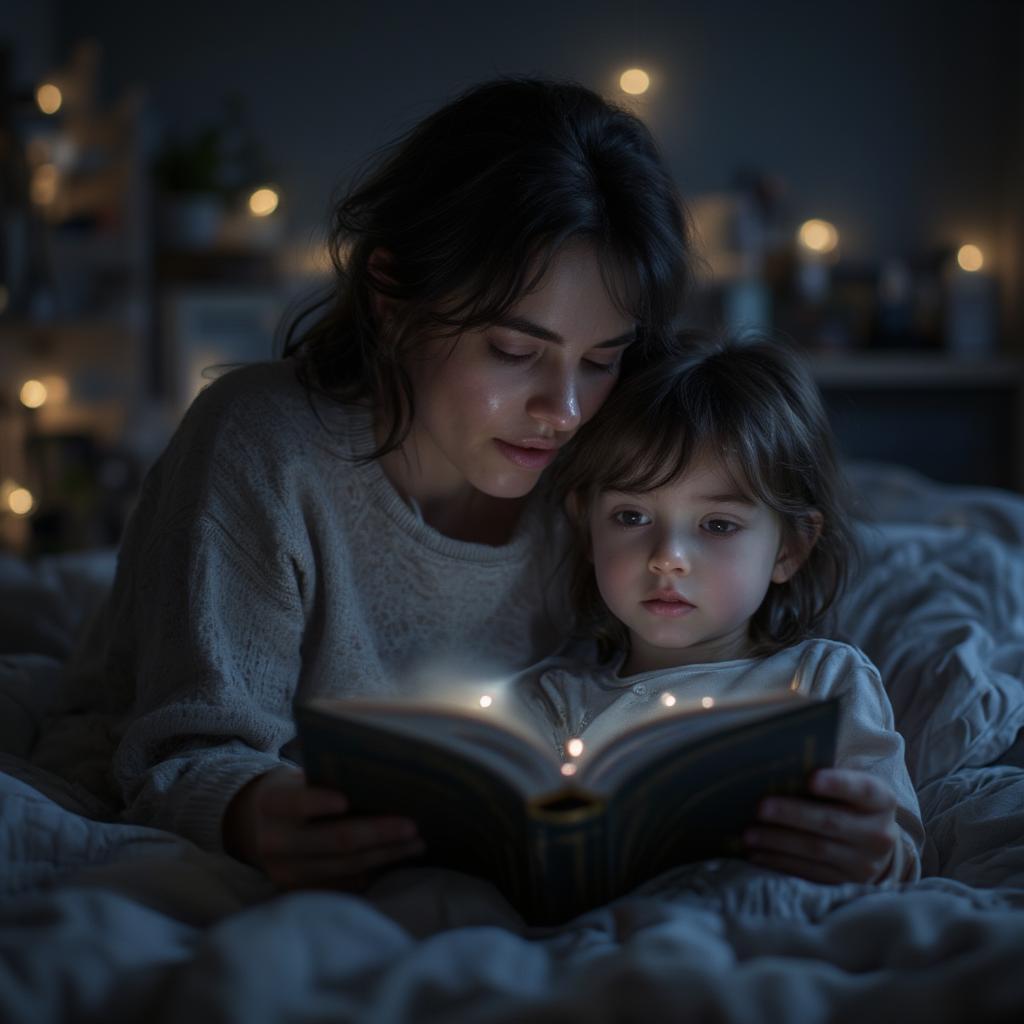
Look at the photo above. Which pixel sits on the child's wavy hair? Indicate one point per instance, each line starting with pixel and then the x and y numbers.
pixel 751 402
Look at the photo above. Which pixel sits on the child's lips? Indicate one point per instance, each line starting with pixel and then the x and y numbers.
pixel 669 604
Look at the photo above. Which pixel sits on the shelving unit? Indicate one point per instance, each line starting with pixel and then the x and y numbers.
pixel 965 422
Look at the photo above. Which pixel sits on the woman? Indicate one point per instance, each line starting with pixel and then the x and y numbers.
pixel 363 516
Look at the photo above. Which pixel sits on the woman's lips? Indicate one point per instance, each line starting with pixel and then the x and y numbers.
pixel 528 457
pixel 669 606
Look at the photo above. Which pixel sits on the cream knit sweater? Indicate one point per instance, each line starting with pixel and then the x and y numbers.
pixel 261 563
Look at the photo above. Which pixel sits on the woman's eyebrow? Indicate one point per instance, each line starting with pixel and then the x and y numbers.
pixel 525 326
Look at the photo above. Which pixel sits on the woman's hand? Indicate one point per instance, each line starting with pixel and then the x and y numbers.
pixel 299 835
pixel 847 834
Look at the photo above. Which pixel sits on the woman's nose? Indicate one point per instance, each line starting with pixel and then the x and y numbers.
pixel 670 556
pixel 556 404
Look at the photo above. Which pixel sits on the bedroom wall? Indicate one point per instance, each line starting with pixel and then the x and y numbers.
pixel 896 121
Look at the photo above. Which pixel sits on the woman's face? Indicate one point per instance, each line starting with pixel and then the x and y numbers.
pixel 492 410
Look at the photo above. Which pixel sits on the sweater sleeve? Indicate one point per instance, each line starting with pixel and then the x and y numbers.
pixel 868 741
pixel 207 623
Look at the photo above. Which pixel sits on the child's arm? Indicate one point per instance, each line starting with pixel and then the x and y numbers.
pixel 862 822
pixel 849 834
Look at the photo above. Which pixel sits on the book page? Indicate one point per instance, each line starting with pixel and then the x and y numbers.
pixel 614 757
pixel 501 743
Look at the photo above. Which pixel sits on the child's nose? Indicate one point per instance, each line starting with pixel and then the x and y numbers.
pixel 670 556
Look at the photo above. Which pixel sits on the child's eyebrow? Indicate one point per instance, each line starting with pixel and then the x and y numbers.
pixel 727 499
pixel 524 326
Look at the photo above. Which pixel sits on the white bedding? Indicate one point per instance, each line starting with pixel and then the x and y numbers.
pixel 105 921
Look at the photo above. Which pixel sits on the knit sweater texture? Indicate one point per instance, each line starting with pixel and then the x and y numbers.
pixel 261 564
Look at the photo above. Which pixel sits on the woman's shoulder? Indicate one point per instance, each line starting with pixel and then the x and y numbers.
pixel 266 405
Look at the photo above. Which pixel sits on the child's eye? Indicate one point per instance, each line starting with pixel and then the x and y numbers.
pixel 630 517
pixel 508 357
pixel 720 526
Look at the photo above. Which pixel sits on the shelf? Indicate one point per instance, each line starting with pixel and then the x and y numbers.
pixel 909 370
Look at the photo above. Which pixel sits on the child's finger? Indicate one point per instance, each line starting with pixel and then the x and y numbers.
pixel 859 788
pixel 763 840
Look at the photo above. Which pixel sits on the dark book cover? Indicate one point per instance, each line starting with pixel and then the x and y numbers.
pixel 565 846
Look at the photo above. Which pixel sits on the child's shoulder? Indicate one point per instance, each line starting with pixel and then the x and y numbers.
pixel 822 663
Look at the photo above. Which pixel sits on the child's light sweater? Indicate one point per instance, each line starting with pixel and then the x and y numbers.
pixel 596 703
pixel 260 564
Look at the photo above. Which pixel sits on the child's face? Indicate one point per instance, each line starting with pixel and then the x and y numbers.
pixel 685 567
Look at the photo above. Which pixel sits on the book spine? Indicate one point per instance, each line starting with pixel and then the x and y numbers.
pixel 568 845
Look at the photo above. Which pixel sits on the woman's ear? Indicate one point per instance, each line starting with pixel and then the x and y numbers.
pixel 794 551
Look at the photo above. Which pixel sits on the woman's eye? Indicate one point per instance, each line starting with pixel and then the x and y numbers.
pixel 720 526
pixel 508 357
pixel 603 367
pixel 631 517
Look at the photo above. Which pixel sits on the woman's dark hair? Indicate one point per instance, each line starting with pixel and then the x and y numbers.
pixel 752 404
pixel 462 216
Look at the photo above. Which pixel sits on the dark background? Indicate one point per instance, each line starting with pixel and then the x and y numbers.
pixel 901 123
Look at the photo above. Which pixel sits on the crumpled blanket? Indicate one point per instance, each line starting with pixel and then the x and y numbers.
pixel 101 920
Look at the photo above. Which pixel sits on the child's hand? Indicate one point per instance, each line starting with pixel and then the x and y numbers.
pixel 299 836
pixel 849 834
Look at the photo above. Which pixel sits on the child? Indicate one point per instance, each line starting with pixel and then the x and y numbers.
pixel 710 542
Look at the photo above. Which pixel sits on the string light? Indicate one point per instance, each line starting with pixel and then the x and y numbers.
pixel 970 258
pixel 707 702
pixel 33 394
pixel 486 700
pixel 18 499
pixel 635 81
pixel 49 98
pixel 568 769
pixel 574 747
pixel 263 202
pixel 818 236
pixel 668 700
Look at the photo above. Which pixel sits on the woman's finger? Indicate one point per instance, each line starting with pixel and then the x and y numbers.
pixel 347 872
pixel 338 837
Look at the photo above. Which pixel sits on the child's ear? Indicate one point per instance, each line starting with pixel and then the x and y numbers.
pixel 793 552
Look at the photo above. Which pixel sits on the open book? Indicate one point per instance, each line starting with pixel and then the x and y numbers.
pixel 492 800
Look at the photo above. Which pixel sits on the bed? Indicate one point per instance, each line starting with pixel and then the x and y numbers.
pixel 107 921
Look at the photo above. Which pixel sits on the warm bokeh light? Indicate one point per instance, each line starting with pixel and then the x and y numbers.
pixel 668 700
pixel 707 702
pixel 49 98
pixel 19 501
pixel 44 184
pixel 574 747
pixel 486 701
pixel 263 202
pixel 970 258
pixel 818 236
pixel 634 81
pixel 33 394
pixel 57 389
pixel 568 769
